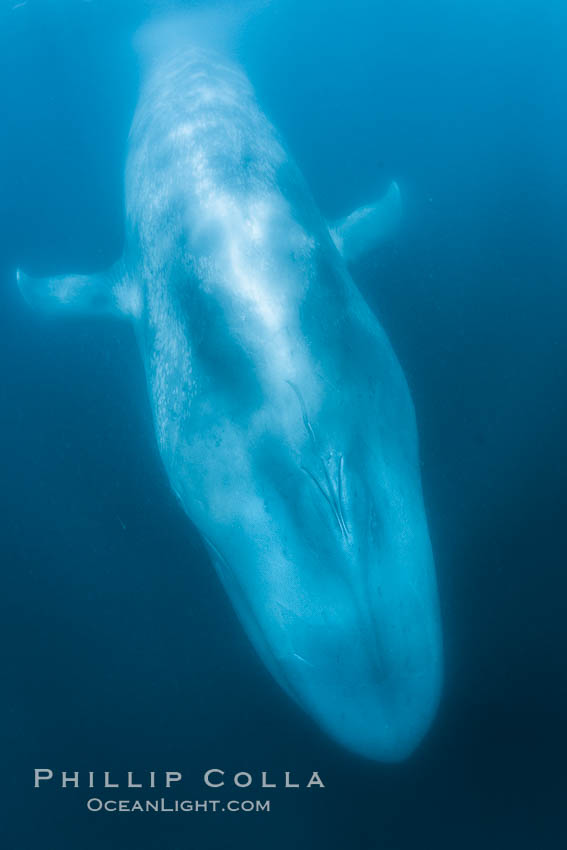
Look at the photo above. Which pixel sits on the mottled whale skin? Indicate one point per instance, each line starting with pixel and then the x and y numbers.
pixel 281 412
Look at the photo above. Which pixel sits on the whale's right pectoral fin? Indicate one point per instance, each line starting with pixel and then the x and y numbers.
pixel 366 227
pixel 107 293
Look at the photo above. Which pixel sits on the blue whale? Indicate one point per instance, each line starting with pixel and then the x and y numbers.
pixel 281 413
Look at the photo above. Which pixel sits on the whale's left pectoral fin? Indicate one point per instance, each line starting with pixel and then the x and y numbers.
pixel 365 228
pixel 107 293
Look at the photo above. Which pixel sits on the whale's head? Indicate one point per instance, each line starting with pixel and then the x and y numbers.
pixel 328 561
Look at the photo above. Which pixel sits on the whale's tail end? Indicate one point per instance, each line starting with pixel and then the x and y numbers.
pixel 215 28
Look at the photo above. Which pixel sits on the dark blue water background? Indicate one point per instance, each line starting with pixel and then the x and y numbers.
pixel 120 650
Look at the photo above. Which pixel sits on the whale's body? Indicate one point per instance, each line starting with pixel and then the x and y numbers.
pixel 281 413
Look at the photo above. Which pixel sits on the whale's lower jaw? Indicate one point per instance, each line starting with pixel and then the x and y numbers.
pixel 380 720
pixel 372 681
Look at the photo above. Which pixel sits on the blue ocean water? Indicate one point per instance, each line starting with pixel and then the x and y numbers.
pixel 120 649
